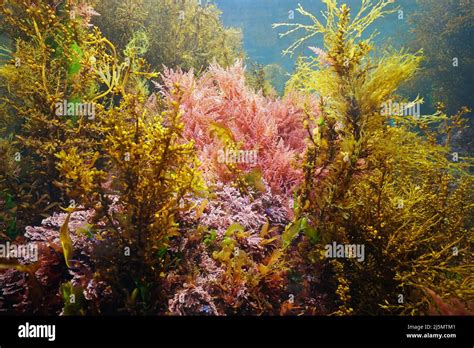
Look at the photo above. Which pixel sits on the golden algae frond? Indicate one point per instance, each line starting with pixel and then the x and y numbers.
pixel 197 191
pixel 369 183
pixel 187 34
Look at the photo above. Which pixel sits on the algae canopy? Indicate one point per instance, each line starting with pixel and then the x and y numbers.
pixel 235 157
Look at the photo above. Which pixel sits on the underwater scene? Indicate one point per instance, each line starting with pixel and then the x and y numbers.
pixel 236 157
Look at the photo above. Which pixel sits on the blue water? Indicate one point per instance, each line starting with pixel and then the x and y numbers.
pixel 262 43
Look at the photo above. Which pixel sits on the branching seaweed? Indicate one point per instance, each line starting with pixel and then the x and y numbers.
pixel 369 183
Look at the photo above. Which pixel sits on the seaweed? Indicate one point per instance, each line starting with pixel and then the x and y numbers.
pixel 192 189
pixel 374 183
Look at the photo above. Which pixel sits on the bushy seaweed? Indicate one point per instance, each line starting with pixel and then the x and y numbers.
pixel 122 153
pixel 187 34
pixel 122 177
pixel 50 87
pixel 372 180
